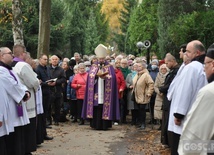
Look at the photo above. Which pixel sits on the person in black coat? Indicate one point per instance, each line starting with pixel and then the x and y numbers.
pixel 172 64
pixel 43 74
pixel 57 75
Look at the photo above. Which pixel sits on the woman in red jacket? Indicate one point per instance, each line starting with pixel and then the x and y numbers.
pixel 121 85
pixel 79 83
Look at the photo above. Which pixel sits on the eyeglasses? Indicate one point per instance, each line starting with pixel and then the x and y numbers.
pixel 10 53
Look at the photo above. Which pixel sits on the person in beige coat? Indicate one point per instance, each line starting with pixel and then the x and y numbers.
pixel 143 89
pixel 163 71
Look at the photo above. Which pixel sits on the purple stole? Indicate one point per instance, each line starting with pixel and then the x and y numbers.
pixel 93 97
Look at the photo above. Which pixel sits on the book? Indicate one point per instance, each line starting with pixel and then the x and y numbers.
pixel 51 80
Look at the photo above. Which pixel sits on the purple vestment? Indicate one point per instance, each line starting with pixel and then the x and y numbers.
pixel 111 100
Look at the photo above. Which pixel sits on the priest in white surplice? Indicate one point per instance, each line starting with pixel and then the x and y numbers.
pixel 28 78
pixel 4 126
pixel 191 79
pixel 16 110
pixel 198 123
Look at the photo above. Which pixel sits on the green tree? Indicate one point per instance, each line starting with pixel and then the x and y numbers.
pixel 193 26
pixel 102 23
pixel 91 34
pixel 121 38
pixel 31 25
pixel 143 25
pixel 6 34
pixel 75 23
pixel 74 29
pixel 168 12
pixel 57 36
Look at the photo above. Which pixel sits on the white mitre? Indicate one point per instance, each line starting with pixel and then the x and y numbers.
pixel 101 51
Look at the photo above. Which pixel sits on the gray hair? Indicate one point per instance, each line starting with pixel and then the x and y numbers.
pixel 81 65
pixel 76 67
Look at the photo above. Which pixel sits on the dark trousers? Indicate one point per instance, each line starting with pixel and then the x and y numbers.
pixel 164 128
pixel 46 105
pixel 152 105
pixel 3 148
pixel 123 110
pixel 30 136
pixel 55 105
pixel 79 108
pixel 142 113
pixel 134 113
pixel 125 92
pixel 174 141
pixel 73 108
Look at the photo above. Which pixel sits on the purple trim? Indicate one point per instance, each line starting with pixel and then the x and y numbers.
pixel 18 59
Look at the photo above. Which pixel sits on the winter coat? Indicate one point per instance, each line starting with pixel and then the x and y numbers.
pixel 58 73
pixel 80 79
pixel 129 82
pixel 121 84
pixel 143 87
pixel 159 97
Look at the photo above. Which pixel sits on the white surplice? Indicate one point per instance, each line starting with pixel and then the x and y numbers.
pixel 4 129
pixel 28 78
pixel 39 106
pixel 198 124
pixel 15 92
pixel 187 84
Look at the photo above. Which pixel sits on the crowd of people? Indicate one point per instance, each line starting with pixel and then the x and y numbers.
pixel 103 89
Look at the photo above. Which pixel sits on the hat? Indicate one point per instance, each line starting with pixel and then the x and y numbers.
pixel 210 52
pixel 101 51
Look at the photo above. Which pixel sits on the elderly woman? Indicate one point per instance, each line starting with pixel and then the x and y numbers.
pixel 163 71
pixel 79 84
pixel 121 85
pixel 143 87
pixel 130 104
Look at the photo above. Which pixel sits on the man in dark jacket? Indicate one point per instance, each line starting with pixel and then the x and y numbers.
pixel 57 75
pixel 43 75
pixel 172 64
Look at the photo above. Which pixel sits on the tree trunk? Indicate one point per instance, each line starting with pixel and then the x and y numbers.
pixel 17 23
pixel 44 27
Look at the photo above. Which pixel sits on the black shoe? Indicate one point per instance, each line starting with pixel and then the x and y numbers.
pixel 74 121
pixel 133 123
pixel 124 122
pixel 142 127
pixel 48 127
pixel 56 123
pixel 48 138
pixel 48 122
pixel 81 122
pixel 154 122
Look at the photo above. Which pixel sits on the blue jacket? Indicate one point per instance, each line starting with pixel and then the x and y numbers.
pixel 71 93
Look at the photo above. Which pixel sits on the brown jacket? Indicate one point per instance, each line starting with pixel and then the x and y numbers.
pixel 143 87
